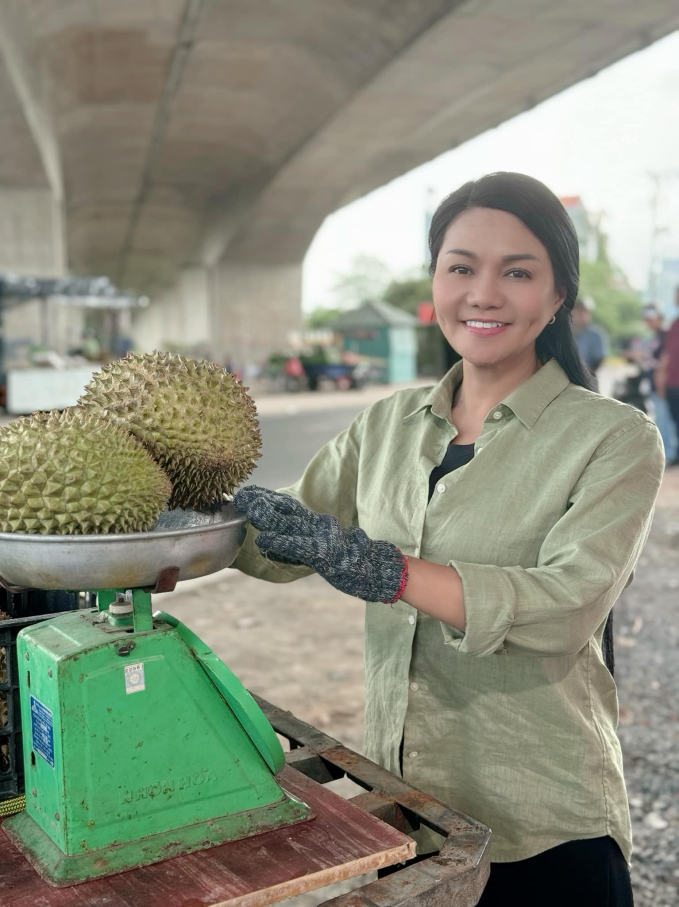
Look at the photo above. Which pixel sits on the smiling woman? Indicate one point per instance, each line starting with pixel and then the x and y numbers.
pixel 500 514
pixel 504 260
pixel 479 234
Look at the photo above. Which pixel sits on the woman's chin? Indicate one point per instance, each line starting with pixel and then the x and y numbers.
pixel 486 352
pixel 479 357
pixel 484 361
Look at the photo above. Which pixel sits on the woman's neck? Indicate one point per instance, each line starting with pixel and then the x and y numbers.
pixel 483 388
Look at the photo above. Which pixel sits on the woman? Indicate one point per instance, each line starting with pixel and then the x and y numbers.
pixel 501 513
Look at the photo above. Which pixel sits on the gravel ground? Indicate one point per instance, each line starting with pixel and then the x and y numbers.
pixel 300 646
pixel 647 673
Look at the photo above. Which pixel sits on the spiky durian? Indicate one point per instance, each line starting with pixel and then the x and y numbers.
pixel 76 473
pixel 195 419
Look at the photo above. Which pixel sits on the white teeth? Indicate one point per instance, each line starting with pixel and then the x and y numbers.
pixel 485 324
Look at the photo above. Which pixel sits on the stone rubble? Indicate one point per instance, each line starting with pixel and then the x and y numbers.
pixel 647 675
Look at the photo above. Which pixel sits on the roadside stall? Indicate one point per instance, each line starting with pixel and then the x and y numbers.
pixel 39 367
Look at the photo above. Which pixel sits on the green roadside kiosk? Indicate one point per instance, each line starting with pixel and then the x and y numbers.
pixel 385 334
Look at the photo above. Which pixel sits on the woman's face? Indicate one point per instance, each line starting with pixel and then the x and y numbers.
pixel 491 269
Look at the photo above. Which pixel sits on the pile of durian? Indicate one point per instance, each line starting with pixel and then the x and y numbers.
pixel 152 431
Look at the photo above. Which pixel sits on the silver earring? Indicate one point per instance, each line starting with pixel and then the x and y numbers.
pixel 553 319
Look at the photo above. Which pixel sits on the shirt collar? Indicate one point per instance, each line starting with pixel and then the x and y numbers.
pixel 527 401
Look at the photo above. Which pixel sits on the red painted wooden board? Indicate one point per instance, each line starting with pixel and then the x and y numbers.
pixel 342 842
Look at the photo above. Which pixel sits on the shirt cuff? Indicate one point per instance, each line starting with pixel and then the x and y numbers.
pixel 489 611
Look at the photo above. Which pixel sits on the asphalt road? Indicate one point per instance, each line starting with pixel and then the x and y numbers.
pixel 289 442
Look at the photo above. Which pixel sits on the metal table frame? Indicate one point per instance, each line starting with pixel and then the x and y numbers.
pixel 455 877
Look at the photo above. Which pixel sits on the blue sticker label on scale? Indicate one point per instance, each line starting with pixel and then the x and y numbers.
pixel 42 730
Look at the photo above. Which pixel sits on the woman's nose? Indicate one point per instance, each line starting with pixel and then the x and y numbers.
pixel 485 291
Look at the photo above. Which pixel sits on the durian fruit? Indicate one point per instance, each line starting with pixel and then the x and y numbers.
pixel 76 473
pixel 196 420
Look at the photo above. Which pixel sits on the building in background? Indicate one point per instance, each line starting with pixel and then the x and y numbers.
pixel 586 226
pixel 384 334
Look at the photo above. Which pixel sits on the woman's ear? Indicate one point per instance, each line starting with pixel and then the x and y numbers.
pixel 561 293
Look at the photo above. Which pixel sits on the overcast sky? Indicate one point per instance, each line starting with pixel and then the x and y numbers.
pixel 598 139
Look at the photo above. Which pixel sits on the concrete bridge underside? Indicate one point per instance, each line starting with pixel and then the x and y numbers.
pixel 192 148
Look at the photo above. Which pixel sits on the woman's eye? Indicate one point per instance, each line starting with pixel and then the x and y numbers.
pixel 460 269
pixel 518 272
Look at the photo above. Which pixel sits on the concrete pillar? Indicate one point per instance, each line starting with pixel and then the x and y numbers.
pixel 153 327
pixel 233 313
pixel 31 233
pixel 32 243
pixel 254 306
pixel 179 318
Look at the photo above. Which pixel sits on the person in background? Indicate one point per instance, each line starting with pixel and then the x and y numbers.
pixel 646 352
pixel 666 377
pixel 591 340
pixel 294 373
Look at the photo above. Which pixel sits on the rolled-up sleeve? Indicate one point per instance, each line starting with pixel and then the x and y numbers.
pixel 585 561
pixel 327 486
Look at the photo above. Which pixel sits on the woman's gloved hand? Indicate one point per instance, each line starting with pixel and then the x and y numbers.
pixel 346 558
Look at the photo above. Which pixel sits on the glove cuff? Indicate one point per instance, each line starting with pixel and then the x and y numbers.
pixel 404 580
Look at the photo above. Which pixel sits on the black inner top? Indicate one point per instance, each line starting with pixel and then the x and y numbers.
pixel 456 455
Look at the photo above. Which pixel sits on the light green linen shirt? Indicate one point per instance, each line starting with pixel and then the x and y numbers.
pixel 514 720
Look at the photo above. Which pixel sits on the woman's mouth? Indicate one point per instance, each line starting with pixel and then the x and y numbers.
pixel 485 328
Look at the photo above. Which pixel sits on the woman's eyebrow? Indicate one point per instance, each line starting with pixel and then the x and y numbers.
pixel 522 256
pixel 519 256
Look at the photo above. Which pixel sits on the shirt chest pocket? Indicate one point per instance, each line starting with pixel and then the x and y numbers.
pixel 477 530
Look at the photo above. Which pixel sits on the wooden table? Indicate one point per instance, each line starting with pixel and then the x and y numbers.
pixel 342 842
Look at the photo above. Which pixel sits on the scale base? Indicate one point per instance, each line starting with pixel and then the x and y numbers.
pixel 62 871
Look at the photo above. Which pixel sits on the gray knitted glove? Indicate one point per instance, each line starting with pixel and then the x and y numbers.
pixel 346 558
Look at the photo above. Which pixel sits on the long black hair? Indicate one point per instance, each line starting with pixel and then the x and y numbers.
pixel 540 210
pixel 544 215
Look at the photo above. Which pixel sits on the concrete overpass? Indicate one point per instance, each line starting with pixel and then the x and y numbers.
pixel 191 148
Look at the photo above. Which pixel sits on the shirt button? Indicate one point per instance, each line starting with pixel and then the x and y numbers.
pixel 411 619
pixel 417 551
pixel 414 687
pixel 479 449
pixel 497 414
pixel 440 488
pixel 413 755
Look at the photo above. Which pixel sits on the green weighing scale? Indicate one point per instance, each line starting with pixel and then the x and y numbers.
pixel 139 744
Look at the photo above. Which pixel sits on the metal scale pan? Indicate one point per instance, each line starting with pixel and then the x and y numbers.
pixel 184 544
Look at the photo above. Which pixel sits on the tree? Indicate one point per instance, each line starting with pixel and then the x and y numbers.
pixel 367 280
pixel 617 307
pixel 320 318
pixel 406 293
